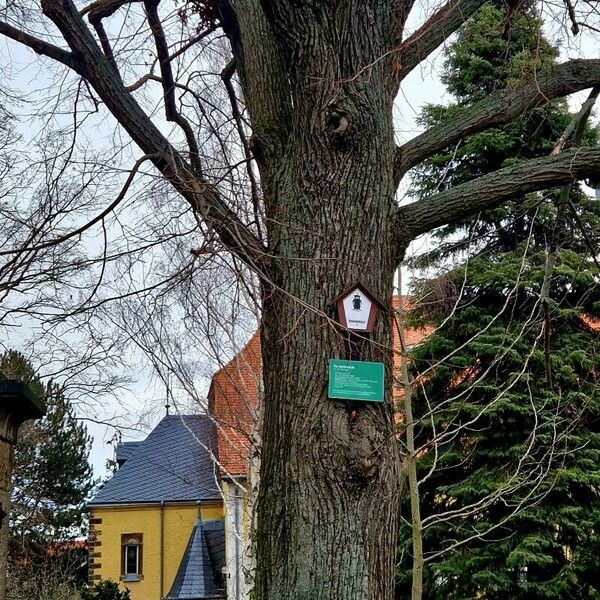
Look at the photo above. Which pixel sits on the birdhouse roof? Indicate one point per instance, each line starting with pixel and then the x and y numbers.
pixel 364 290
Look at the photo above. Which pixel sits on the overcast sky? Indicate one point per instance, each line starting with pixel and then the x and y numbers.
pixel 141 404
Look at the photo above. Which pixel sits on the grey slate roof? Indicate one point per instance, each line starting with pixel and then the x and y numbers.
pixel 200 573
pixel 125 451
pixel 169 465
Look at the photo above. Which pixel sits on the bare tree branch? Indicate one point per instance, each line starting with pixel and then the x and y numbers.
pixel 572 16
pixel 109 209
pixel 578 122
pixel 493 189
pixel 434 32
pixel 499 108
pixel 101 9
pixel 262 71
pixel 39 46
pixel 201 194
pixel 226 76
pixel 168 82
pixel 97 12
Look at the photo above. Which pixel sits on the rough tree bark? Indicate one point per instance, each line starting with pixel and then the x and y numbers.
pixel 327 508
pixel 319 79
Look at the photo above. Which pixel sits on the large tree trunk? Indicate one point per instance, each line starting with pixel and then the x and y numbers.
pixel 330 472
pixel 330 479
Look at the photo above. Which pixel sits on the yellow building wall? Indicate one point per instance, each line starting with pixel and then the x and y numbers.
pixel 229 487
pixel 107 524
pixel 238 521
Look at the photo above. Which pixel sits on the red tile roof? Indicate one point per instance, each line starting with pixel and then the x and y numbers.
pixel 233 401
pixel 233 398
pixel 591 322
pixel 412 337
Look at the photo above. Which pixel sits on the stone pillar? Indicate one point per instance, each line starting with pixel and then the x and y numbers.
pixel 17 404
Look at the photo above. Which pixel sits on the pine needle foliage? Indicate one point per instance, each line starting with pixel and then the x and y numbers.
pixel 508 386
pixel 52 477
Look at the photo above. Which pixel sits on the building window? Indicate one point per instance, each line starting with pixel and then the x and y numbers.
pixel 131 556
pixel 132 562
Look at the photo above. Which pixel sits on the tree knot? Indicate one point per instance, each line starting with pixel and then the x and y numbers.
pixel 363 458
pixel 339 125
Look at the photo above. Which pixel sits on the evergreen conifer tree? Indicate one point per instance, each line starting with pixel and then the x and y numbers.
pixel 513 387
pixel 52 477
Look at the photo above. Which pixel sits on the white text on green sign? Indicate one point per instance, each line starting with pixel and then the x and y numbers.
pixel 356 380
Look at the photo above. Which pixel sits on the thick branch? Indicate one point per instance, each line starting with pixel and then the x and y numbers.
pixel 263 77
pixel 202 195
pixel 104 8
pixel 434 32
pixel 39 46
pixel 499 108
pixel 491 190
pixel 168 82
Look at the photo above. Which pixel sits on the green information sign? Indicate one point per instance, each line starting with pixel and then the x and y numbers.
pixel 356 380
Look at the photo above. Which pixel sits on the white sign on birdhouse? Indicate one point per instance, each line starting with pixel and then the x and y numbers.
pixel 357 308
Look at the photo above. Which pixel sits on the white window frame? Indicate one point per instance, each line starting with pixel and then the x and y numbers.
pixel 137 559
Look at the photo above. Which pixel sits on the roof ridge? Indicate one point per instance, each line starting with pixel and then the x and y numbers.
pixel 195 576
pixel 183 417
pixel 173 463
pixel 237 355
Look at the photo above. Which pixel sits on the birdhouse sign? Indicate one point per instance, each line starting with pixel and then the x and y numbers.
pixel 357 308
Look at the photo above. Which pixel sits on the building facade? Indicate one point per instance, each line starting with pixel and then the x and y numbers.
pixel 233 401
pixel 157 526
